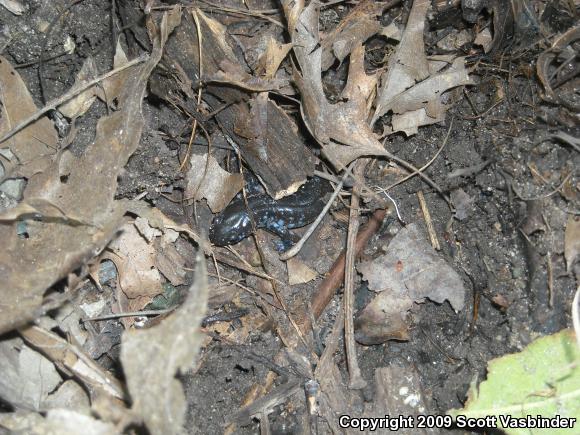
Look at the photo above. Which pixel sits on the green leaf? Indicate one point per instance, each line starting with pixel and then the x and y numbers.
pixel 541 382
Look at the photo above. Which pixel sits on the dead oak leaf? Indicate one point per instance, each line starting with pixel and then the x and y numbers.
pixel 152 358
pixel 31 150
pixel 358 26
pixel 409 63
pixel 134 258
pixel 270 60
pixel 340 128
pixel 206 179
pixel 409 272
pixel 53 250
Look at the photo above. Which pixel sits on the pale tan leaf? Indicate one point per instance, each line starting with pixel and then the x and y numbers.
pixel 299 272
pixel 206 179
pixel 55 249
pixel 135 261
pixel 152 358
pixel 80 104
pixel 32 149
pixel 271 59
pixel 409 63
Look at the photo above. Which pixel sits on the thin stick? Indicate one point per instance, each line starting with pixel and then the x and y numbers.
pixel 335 277
pixel 199 92
pixel 356 380
pixel 298 246
pixel 130 314
pixel 70 94
pixel 428 221
pixel 420 171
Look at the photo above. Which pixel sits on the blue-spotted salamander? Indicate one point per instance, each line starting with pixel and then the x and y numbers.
pixel 233 224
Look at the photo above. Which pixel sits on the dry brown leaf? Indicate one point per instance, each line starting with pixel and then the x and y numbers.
pixel 484 39
pixel 33 148
pixel 299 272
pixel 359 25
pixel 340 128
pixel 272 57
pixel 206 179
pixel 572 241
pixel 427 94
pixel 108 90
pixel 57 421
pixel 71 359
pixel 413 86
pixel 409 63
pixel 231 73
pixel 409 272
pixel 152 358
pixel 55 249
pixel 135 261
pixel 80 104
pixel 27 377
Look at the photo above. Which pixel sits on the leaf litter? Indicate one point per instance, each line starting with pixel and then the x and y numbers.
pixel 71 218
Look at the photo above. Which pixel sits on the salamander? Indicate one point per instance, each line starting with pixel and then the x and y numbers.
pixel 233 224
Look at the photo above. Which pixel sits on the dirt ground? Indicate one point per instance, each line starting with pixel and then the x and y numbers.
pixel 506 239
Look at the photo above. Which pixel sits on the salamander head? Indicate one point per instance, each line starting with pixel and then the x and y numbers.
pixel 229 228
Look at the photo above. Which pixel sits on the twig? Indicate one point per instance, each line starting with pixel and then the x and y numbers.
pixel 130 314
pixel 428 221
pixel 470 170
pixel 199 92
pixel 335 276
pixel 356 380
pixel 420 171
pixel 70 94
pixel 546 195
pixel 298 246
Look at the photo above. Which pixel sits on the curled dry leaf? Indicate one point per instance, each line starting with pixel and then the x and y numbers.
pixel 71 359
pixel 409 272
pixel 32 149
pixel 412 86
pixel 107 91
pixel 27 377
pixel 299 272
pixel 359 25
pixel 29 266
pixel 13 6
pixel 152 358
pixel 80 104
pixel 206 179
pixel 409 63
pixel 135 261
pixel 272 57
pixel 340 128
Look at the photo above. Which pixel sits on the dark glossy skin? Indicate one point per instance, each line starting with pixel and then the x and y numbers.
pixel 233 224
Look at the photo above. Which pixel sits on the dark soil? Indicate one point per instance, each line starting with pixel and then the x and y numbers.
pixel 486 246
